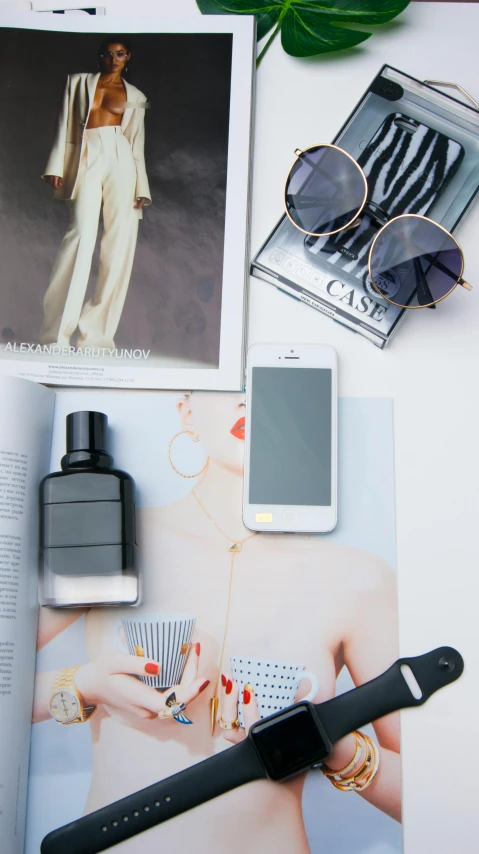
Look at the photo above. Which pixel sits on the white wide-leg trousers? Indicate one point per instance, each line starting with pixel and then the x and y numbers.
pixel 107 174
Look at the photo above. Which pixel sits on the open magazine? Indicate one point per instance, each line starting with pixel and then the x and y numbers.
pixel 126 265
pixel 320 607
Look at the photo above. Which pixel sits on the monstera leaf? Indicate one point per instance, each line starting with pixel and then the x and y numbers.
pixel 310 27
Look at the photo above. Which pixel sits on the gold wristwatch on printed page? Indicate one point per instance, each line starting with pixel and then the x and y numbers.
pixel 66 703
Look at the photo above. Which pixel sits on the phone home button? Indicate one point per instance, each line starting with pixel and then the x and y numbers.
pixel 288 517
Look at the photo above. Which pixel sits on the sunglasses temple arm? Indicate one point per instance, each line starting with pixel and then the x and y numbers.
pixel 424 295
pixel 440 266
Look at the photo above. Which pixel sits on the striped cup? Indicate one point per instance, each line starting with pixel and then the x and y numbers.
pixel 164 637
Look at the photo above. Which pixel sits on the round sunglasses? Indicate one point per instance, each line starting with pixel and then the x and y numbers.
pixel 325 194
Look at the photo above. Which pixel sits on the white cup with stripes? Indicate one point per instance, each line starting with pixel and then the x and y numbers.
pixel 164 637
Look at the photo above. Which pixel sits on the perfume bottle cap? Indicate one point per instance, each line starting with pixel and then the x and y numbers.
pixel 86 431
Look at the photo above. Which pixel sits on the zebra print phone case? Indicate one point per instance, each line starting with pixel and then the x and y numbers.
pixel 407 165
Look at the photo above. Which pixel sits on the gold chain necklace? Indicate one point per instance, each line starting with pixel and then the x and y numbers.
pixel 234 547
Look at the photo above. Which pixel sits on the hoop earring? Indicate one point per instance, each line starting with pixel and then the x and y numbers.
pixel 195 438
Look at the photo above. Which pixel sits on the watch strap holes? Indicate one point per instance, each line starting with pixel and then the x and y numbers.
pixel 135 813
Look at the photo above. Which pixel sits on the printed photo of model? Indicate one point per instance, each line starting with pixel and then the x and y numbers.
pixel 125 246
pixel 96 165
pixel 264 599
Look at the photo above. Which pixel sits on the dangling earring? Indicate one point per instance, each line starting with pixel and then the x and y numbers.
pixel 126 69
pixel 195 438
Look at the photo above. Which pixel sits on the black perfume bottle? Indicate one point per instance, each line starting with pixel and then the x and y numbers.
pixel 87 523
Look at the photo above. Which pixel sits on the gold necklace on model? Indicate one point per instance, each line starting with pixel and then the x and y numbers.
pixel 234 547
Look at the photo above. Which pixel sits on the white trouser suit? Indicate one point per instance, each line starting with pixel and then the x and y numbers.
pixel 109 173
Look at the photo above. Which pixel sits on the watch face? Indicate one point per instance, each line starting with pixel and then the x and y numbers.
pixel 64 706
pixel 291 741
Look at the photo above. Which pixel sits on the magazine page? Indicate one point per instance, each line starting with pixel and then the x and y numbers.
pixel 321 608
pixel 126 265
pixel 25 435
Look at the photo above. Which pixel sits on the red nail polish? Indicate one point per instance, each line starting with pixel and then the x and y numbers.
pixel 204 685
pixel 152 669
pixel 197 648
pixel 246 696
pixel 223 680
pixel 229 686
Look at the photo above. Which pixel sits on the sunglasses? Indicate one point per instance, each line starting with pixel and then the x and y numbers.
pixel 326 193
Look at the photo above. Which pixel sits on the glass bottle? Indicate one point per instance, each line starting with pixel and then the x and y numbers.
pixel 87 523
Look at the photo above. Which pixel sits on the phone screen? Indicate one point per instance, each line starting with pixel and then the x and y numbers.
pixel 290 447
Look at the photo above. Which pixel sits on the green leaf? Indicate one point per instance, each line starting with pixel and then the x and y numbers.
pixel 265 12
pixel 265 23
pixel 310 27
pixel 301 36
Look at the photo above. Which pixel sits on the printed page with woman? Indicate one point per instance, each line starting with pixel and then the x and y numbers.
pixel 93 163
pixel 126 265
pixel 232 626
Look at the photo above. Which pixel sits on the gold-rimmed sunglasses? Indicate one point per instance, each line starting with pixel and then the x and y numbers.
pixel 326 193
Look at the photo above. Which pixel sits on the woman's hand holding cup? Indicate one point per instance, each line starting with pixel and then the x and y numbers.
pixel 229 708
pixel 259 688
pixel 190 686
pixel 108 681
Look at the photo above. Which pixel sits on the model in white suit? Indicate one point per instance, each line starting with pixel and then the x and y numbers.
pixel 97 159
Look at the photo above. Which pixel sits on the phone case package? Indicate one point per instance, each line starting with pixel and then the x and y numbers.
pixel 418 147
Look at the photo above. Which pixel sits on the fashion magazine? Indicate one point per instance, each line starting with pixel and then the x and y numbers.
pixel 236 609
pixel 124 176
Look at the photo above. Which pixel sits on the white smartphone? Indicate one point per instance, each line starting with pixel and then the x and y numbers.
pixel 290 474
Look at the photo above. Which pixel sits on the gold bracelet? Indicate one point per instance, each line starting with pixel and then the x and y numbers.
pixel 328 772
pixel 341 776
pixel 365 774
pixel 350 782
pixel 366 778
pixel 354 782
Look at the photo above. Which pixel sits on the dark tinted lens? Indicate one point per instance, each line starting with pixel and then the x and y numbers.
pixel 325 190
pixel 414 257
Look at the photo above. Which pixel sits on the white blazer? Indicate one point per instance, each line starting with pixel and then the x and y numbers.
pixel 64 159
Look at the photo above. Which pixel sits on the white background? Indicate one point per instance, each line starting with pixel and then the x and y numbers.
pixel 430 370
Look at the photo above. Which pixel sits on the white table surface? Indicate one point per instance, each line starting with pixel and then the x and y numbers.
pixel 430 370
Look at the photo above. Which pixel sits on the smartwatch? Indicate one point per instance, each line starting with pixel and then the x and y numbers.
pixel 287 743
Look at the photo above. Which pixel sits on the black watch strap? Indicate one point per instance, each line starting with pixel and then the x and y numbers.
pixel 390 691
pixel 157 803
pixel 241 764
